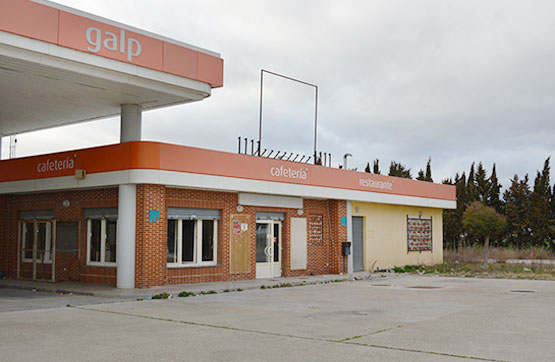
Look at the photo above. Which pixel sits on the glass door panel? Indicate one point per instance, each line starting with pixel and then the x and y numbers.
pixel 268 249
pixel 261 243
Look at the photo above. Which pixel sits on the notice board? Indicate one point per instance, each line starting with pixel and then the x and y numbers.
pixel 240 237
pixel 419 233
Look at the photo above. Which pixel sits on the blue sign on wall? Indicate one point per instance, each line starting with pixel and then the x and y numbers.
pixel 153 215
pixel 343 221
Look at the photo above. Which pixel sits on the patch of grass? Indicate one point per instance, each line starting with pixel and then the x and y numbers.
pixel 163 295
pixel 496 270
pixel 208 292
pixel 407 269
pixel 185 293
pixel 475 254
pixel 238 290
pixel 226 290
pixel 285 285
pixel 262 287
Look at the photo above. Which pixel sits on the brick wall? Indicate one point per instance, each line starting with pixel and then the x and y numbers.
pixel 226 202
pixel 70 266
pixel 3 234
pixel 338 209
pixel 151 238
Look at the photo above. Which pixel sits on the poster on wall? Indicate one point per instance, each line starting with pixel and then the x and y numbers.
pixel 419 231
pixel 240 242
pixel 316 229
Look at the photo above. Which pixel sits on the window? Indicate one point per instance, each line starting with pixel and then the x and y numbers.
pixel 101 241
pixel 192 237
pixel 43 232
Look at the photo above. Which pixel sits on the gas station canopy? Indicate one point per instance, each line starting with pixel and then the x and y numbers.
pixel 60 66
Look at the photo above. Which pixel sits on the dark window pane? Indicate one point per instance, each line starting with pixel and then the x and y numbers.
pixel 66 236
pixel 44 241
pixel 29 235
pixel 188 241
pixel 95 233
pixel 276 242
pixel 110 246
pixel 172 242
pixel 261 243
pixel 207 240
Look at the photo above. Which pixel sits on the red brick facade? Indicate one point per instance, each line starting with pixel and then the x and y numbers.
pixel 151 237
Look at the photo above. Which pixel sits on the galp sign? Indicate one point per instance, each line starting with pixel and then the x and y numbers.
pixel 110 41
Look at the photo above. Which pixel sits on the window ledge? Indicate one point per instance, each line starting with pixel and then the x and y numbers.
pixel 103 265
pixel 30 261
pixel 183 266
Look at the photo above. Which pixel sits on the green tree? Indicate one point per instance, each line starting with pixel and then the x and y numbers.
pixel 482 183
pixel 367 169
pixel 398 170
pixel 471 191
pixel 517 211
pixel 540 208
pixel 483 222
pixel 452 219
pixel 428 175
pixel 377 167
pixel 493 198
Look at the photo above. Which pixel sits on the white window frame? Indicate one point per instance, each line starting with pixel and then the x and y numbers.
pixel 47 242
pixel 102 243
pixel 197 260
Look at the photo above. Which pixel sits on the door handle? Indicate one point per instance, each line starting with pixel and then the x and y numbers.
pixel 269 250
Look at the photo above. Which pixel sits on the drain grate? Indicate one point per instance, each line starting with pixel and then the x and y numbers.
pixel 522 291
pixel 424 287
pixel 381 285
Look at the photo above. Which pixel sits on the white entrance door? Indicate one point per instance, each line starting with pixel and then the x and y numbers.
pixel 268 249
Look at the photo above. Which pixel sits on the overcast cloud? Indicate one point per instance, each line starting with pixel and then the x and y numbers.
pixel 457 81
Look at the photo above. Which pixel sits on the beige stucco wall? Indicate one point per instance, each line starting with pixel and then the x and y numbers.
pixel 385 235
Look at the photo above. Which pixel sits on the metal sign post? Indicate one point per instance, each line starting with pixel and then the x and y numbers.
pixel 262 71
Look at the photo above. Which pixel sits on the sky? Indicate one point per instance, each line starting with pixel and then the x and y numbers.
pixel 456 81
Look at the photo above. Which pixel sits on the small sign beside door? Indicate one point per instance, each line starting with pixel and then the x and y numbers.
pixel 153 215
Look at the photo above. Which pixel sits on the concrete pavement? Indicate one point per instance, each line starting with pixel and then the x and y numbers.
pixel 394 318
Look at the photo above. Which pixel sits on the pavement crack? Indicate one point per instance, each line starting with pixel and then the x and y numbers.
pixel 349 341
pixel 425 352
pixel 366 335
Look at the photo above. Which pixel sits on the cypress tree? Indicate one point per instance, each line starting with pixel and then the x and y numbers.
pixel 428 175
pixel 462 201
pixel 367 169
pixel 517 211
pixel 493 199
pixel 482 183
pixel 471 191
pixel 450 233
pixel 420 176
pixel 429 171
pixel 540 208
pixel 399 170
pixel 377 167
